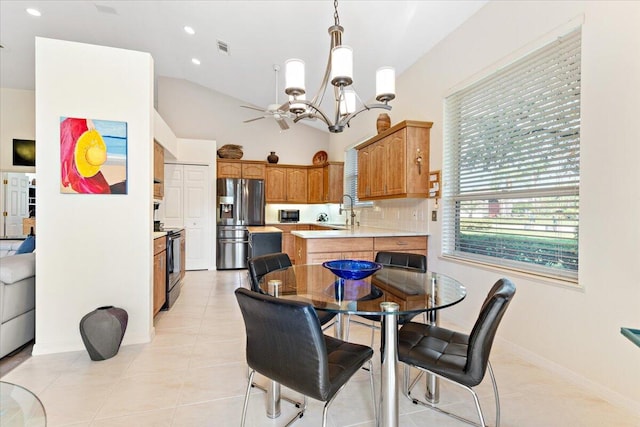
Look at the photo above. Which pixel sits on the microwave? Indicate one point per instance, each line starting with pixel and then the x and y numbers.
pixel 288 215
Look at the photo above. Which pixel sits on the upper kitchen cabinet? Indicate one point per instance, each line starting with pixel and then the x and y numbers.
pixel 333 182
pixel 286 184
pixel 158 171
pixel 230 168
pixel 163 140
pixel 315 183
pixel 325 183
pixel 395 163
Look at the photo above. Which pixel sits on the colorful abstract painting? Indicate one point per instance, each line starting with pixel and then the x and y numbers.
pixel 93 156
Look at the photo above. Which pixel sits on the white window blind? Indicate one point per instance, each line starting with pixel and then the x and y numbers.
pixel 351 177
pixel 512 164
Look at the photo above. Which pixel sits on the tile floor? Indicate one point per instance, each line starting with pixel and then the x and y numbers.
pixel 193 374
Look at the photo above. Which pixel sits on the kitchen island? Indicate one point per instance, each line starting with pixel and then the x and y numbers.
pixel 318 246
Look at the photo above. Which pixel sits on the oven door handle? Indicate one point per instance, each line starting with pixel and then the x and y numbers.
pixel 170 259
pixel 232 241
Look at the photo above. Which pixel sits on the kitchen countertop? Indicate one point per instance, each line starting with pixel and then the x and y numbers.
pixel 157 234
pixel 336 226
pixel 263 229
pixel 356 232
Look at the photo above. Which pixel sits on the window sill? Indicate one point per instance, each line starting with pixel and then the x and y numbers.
pixel 568 283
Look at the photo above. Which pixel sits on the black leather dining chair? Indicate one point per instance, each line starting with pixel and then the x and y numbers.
pixel 406 260
pixel 285 343
pixel 261 265
pixel 456 357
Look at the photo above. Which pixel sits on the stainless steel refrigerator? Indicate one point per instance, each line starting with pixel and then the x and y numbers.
pixel 240 204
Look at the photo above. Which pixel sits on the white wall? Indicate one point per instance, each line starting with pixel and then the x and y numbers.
pixel 195 112
pixel 93 250
pixel 574 331
pixel 17 121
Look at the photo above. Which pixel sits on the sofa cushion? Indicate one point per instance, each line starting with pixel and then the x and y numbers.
pixel 28 246
pixel 17 267
pixel 9 247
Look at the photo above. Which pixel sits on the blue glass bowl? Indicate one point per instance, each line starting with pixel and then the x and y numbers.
pixel 352 269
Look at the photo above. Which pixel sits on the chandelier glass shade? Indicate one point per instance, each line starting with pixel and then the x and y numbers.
pixel 339 73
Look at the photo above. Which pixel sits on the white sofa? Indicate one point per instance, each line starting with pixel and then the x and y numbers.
pixel 17 301
pixel 9 247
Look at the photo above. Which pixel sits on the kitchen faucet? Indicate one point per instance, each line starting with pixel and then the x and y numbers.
pixel 353 214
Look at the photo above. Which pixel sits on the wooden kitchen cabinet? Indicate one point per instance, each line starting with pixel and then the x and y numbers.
pixel 159 273
pixel 317 251
pixel 286 184
pixel 297 185
pixel 395 163
pixel 249 169
pixel 158 171
pixel 333 182
pixel 229 169
pixel 315 183
pixel 254 170
pixel 288 239
pixel 325 183
pixel 410 244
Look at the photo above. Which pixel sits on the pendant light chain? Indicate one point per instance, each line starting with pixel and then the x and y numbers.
pixel 336 18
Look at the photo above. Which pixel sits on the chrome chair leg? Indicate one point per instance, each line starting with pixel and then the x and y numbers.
pixel 373 395
pixel 495 393
pixel 301 405
pixel 246 398
pixel 469 389
pixel 373 392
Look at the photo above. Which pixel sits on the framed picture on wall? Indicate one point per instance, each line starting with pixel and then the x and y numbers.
pixel 93 156
pixel 24 152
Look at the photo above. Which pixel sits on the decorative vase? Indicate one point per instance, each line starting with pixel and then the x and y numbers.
pixel 383 123
pixel 273 158
pixel 102 331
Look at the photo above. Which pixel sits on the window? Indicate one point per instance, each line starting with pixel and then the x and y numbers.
pixel 512 164
pixel 351 176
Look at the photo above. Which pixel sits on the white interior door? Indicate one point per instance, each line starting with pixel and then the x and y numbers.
pixel 15 197
pixel 173 196
pixel 186 204
pixel 196 216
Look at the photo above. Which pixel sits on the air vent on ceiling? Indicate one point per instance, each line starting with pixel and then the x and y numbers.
pixel 223 47
pixel 106 9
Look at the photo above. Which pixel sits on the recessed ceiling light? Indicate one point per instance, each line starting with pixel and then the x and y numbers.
pixel 195 61
pixel 33 12
pixel 189 30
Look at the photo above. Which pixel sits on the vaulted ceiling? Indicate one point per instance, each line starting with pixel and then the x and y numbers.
pixel 258 34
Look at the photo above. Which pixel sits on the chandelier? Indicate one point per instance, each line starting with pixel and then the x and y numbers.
pixel 339 72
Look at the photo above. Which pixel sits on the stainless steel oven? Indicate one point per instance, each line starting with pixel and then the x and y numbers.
pixel 174 267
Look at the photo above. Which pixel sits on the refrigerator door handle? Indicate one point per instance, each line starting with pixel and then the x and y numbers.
pixel 245 200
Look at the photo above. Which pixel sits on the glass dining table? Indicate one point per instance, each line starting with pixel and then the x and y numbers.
pixel 389 293
pixel 20 407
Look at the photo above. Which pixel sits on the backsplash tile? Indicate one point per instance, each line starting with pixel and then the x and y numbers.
pixel 402 214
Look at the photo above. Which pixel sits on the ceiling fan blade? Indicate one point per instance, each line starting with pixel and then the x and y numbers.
pixel 253 120
pixel 283 124
pixel 252 108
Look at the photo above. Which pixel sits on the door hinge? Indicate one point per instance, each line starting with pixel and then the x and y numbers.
pixel 5 213
pixel 5 181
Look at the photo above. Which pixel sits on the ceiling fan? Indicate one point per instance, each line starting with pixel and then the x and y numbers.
pixel 272 110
